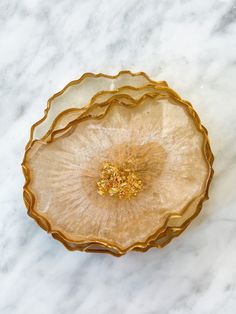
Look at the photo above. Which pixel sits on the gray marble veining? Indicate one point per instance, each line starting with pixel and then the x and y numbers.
pixel 192 45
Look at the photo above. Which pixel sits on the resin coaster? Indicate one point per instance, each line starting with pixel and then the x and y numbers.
pixel 117 163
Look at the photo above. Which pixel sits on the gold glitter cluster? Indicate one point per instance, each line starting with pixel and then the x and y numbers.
pixel 121 182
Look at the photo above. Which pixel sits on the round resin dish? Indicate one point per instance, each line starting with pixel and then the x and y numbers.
pixel 117 163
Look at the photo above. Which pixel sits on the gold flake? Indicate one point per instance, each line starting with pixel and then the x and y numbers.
pixel 121 182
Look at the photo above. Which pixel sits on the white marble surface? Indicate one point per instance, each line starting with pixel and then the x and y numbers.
pixel 192 45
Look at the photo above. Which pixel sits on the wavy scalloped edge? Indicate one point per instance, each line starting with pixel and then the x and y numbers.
pixel 106 247
pixel 115 92
pixel 78 81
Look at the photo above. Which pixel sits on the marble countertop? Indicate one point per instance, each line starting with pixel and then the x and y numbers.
pixel 192 45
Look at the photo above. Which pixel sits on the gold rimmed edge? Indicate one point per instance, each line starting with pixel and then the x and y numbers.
pixel 90 106
pixel 78 81
pixel 100 93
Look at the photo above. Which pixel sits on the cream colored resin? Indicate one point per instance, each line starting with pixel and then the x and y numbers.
pixel 168 149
